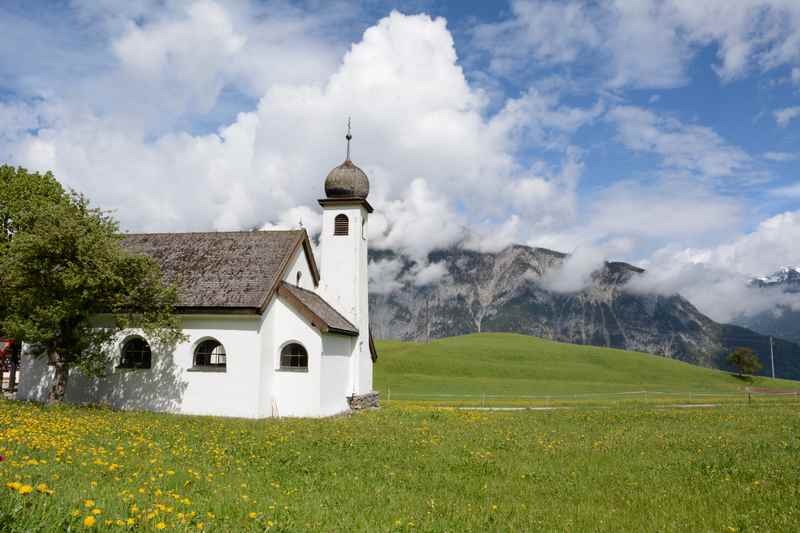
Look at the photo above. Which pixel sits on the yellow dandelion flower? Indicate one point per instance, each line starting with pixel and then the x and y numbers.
pixel 89 521
pixel 25 489
pixel 14 485
pixel 76 513
pixel 130 521
pixel 88 503
pixel 253 514
pixel 200 525
pixel 161 525
pixel 97 511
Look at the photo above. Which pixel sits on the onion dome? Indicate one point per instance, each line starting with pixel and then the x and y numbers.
pixel 347 181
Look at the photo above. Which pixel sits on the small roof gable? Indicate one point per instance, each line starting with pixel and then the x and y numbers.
pixel 223 271
pixel 319 312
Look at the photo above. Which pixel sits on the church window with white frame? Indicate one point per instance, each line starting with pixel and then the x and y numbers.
pixel 210 353
pixel 294 357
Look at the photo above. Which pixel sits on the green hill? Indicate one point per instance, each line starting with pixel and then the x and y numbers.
pixel 516 365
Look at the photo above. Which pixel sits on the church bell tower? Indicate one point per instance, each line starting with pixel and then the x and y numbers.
pixel 343 271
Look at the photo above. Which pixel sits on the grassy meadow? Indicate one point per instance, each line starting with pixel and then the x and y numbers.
pixel 404 467
pixel 418 466
pixel 518 366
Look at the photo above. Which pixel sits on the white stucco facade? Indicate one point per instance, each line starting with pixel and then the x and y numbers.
pixel 252 383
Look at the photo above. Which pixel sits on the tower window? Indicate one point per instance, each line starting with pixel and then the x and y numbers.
pixel 341 225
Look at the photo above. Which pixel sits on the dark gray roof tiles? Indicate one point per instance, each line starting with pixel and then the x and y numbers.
pixel 221 269
pixel 325 318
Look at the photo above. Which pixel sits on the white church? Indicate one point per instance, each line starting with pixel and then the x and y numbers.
pixel 270 333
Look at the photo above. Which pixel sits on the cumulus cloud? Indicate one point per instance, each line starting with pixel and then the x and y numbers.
pixel 436 158
pixel 716 278
pixel 644 44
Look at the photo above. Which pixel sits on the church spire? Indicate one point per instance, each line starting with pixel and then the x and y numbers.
pixel 348 137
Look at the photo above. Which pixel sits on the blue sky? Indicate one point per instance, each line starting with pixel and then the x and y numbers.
pixel 663 133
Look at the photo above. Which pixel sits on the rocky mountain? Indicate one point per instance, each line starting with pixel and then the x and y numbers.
pixel 508 292
pixel 781 321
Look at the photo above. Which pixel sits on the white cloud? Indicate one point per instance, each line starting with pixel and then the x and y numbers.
pixel 553 32
pixel 715 278
pixel 436 159
pixel 663 211
pixel 575 273
pixel 422 220
pixel 16 118
pixel 430 274
pixel 647 43
pixel 786 115
pixel 384 276
pixel 682 147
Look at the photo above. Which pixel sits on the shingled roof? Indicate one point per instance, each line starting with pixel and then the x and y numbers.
pixel 223 271
pixel 316 310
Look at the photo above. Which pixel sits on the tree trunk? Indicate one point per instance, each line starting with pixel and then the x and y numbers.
pixel 12 371
pixel 12 375
pixel 59 388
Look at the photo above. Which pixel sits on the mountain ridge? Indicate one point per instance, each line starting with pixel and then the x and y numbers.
pixel 506 291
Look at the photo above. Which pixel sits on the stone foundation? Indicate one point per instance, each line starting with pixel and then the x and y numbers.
pixel 369 400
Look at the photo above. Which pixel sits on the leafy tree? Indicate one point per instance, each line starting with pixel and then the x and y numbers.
pixel 67 285
pixel 745 361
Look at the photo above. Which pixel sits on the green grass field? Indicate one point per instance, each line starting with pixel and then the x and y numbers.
pixel 414 466
pixel 507 365
pixel 404 468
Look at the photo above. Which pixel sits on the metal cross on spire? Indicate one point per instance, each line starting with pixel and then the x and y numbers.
pixel 348 137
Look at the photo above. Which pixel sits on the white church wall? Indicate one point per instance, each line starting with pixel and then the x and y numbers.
pixel 344 282
pixel 36 378
pixel 296 393
pixel 169 385
pixel 336 383
pixel 267 399
pixel 364 366
pixel 339 263
pixel 230 393
pixel 299 263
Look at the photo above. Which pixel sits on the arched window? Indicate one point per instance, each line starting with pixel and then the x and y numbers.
pixel 135 354
pixel 294 357
pixel 210 353
pixel 341 225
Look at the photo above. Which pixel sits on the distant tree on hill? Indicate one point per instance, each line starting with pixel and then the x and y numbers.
pixel 745 361
pixel 67 286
